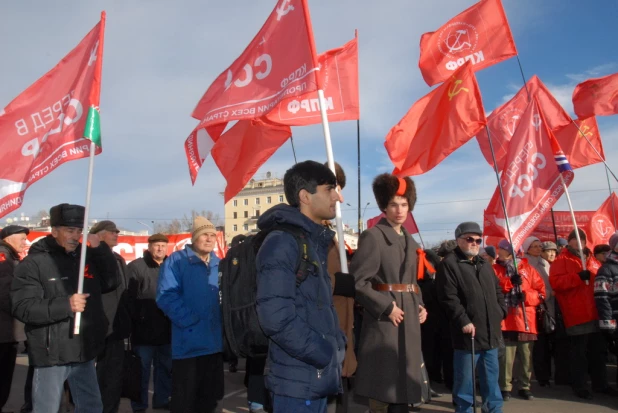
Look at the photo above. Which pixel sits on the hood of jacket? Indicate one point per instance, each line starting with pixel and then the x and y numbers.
pixel 283 214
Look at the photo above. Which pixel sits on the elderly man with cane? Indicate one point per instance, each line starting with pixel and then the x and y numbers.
pixel 469 292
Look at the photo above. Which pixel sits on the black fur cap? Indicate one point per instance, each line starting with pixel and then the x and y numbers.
pixel 385 187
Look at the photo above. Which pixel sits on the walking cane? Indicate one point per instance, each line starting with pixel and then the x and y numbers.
pixel 473 377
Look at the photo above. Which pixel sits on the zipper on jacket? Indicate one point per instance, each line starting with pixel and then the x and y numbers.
pixel 320 373
pixel 48 340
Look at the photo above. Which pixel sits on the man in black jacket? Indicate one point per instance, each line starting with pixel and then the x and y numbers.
pixel 44 297
pixel 12 243
pixel 110 361
pixel 469 293
pixel 151 335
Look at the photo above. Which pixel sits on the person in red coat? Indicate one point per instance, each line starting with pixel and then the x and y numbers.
pixel 521 285
pixel 574 289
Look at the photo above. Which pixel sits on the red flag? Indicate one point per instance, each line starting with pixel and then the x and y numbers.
pixel 576 148
pixel 531 180
pixel 409 224
pixel 197 147
pixel 503 121
pixel 279 62
pixel 241 151
pixel 596 97
pixel 43 127
pixel 563 224
pixel 480 34
pixel 437 124
pixel 602 222
pixel 339 77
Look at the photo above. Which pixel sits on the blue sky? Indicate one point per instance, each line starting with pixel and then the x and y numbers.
pixel 161 56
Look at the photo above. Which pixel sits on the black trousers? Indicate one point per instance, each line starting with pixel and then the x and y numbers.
pixel 8 356
pixel 542 355
pixel 438 356
pixel 254 380
pixel 197 384
pixel 109 374
pixel 588 355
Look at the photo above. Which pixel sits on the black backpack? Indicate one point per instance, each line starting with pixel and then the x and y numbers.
pixel 238 291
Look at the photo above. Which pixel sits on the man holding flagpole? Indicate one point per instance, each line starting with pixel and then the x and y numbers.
pixel 44 297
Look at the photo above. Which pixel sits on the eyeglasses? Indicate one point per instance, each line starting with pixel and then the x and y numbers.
pixel 472 240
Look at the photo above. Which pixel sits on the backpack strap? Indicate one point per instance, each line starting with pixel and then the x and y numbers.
pixel 304 265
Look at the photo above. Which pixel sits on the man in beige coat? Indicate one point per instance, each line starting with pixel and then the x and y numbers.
pixel 384 267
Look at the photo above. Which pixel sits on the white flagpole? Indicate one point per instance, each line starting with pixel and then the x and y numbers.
pixel 82 257
pixel 331 164
pixel 576 229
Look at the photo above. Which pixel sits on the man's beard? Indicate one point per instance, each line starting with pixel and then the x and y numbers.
pixel 470 253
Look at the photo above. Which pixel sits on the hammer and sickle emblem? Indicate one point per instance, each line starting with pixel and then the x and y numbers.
pixel 456 89
pixel 284 9
pixel 536 121
pixel 585 130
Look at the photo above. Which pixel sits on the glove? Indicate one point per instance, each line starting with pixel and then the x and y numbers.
pixel 584 275
pixel 516 279
pixel 344 285
pixel 521 297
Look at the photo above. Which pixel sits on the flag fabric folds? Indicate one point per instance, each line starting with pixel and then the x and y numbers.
pixel 279 62
pixel 531 180
pixel 437 124
pixel 480 34
pixel 51 121
pixel 596 97
pixel 503 121
pixel 339 76
pixel 602 223
pixel 576 147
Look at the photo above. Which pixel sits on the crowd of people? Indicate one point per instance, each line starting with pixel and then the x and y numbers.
pixel 399 320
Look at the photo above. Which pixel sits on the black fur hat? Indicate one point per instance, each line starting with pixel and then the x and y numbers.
pixel 386 186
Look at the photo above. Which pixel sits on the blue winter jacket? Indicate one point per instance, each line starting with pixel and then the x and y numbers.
pixel 307 347
pixel 188 293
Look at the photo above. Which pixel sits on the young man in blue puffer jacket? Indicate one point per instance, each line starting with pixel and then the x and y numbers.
pixel 188 293
pixel 307 346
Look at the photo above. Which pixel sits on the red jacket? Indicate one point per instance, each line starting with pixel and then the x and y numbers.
pixel 575 298
pixel 533 286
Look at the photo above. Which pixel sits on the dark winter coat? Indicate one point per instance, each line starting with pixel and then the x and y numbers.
pixel 40 293
pixel 151 327
pixel 606 290
pixel 307 347
pixel 115 304
pixel 469 292
pixel 11 330
pixel 389 357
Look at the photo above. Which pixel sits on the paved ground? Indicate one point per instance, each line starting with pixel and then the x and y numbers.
pixel 553 400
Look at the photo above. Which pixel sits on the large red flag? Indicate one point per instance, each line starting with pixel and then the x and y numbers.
pixel 596 97
pixel 602 222
pixel 437 124
pixel 279 62
pixel 576 148
pixel 480 34
pixel 531 180
pixel 43 127
pixel 241 151
pixel 409 224
pixel 339 77
pixel 503 121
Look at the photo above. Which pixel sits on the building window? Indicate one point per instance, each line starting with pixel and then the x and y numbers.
pixel 280 198
pixel 257 213
pixel 246 214
pixel 246 202
pixel 246 227
pixel 269 200
pixel 235 215
pixel 236 202
pixel 235 228
pixel 257 201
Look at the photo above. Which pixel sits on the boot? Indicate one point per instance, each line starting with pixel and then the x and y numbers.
pixel 376 406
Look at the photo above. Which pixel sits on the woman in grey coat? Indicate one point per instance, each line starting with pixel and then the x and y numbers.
pixel 385 267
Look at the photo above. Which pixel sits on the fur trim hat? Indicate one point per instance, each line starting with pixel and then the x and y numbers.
pixel 67 215
pixel 387 186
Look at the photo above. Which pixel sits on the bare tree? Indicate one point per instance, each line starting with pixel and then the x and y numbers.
pixel 185 224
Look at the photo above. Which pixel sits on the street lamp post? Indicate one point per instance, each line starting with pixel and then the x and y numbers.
pixel 147 226
pixel 362 220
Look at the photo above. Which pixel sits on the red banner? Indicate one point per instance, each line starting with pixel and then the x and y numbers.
pixel 480 34
pixel 596 97
pixel 535 168
pixel 578 150
pixel 131 247
pixel 339 76
pixel 43 127
pixel 602 222
pixel 280 61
